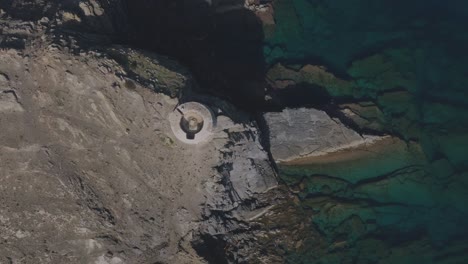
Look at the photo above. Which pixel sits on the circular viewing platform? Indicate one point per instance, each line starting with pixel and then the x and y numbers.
pixel 192 123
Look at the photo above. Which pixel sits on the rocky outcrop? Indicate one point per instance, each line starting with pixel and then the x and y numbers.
pixel 81 180
pixel 92 173
pixel 245 179
pixel 303 133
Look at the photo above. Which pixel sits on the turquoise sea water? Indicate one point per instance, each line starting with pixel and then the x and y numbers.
pixel 405 68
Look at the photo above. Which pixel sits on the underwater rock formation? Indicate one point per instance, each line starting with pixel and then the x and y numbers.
pixel 398 77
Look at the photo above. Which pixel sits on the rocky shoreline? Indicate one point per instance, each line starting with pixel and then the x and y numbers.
pixel 303 164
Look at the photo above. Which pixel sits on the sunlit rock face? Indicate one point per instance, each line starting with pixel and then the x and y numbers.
pixel 93 173
pixel 301 133
pixel 91 170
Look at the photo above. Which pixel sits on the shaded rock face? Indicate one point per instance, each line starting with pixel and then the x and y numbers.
pixel 220 41
pixel 29 10
pixel 95 16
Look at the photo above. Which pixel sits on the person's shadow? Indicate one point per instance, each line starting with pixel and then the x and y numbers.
pixel 220 42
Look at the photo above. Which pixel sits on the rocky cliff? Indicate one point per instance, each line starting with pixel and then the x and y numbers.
pixel 91 171
pixel 339 130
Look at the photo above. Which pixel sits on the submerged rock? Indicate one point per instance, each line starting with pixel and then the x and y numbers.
pixel 376 193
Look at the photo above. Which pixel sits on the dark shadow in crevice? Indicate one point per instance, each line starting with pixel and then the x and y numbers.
pixel 212 248
pixel 298 95
pixel 298 63
pixel 28 10
pixel 265 136
pixel 312 96
pixel 221 43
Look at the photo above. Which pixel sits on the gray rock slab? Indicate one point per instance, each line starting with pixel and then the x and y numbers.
pixel 303 132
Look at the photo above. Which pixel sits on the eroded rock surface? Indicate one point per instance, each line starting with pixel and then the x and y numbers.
pixel 91 172
pixel 298 133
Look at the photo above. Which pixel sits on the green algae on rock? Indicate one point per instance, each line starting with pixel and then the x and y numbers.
pixel 159 72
